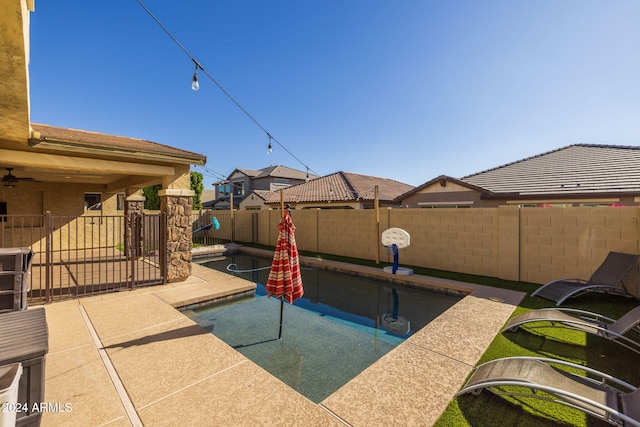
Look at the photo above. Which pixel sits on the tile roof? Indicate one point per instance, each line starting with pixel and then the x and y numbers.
pixel 83 138
pixel 340 186
pixel 575 169
pixel 277 171
pixel 263 194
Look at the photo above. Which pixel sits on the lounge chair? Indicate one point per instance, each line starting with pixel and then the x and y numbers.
pixel 599 395
pixel 607 278
pixel 593 323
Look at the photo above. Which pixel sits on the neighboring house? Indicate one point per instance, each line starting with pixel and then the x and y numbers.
pixel 241 182
pixel 446 192
pixel 341 190
pixel 75 173
pixel 576 175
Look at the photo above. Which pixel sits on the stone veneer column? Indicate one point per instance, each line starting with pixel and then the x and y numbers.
pixel 134 238
pixel 177 204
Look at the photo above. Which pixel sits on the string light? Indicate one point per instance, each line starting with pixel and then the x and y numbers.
pixel 194 82
pixel 195 85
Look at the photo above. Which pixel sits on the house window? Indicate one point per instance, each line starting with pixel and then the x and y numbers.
pixel 92 202
pixel 223 190
pixel 121 199
pixel 238 188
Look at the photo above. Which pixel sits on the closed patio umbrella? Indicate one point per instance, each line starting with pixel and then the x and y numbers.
pixel 285 281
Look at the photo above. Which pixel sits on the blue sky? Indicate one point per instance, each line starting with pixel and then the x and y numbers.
pixel 406 90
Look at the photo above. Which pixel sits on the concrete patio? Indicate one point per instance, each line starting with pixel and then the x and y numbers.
pixel 131 358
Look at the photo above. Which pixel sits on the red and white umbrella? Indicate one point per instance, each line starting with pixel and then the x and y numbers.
pixel 285 280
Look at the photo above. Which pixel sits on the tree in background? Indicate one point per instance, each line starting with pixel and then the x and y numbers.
pixel 197 186
pixel 152 200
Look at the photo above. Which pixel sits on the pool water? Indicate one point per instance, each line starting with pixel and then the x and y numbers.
pixel 342 325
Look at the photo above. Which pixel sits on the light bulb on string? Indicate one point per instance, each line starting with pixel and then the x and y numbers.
pixel 195 85
pixel 194 82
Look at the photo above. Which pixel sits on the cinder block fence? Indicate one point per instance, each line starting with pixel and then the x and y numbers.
pixel 524 244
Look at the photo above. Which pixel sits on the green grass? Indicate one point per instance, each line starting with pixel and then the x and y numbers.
pixel 584 349
pixel 557 343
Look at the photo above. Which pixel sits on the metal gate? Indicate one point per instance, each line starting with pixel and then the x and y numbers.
pixel 77 256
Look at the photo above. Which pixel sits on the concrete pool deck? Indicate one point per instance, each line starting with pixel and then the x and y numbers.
pixel 131 358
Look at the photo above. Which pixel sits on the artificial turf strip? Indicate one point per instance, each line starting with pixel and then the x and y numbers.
pixel 557 343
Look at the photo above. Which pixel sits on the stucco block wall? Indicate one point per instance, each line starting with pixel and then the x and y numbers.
pixel 244 226
pixel 508 243
pixel 264 230
pixel 461 240
pixel 572 242
pixel 528 244
pixel 340 232
pixel 306 222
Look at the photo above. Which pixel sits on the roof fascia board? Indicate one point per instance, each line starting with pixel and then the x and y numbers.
pixel 66 147
pixel 514 197
pixel 565 200
pixel 49 161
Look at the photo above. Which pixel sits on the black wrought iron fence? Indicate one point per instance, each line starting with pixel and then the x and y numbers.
pixel 75 256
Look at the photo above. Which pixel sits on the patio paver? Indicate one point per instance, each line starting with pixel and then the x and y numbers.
pixel 176 373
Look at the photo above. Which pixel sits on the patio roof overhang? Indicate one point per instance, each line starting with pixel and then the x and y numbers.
pixel 115 175
pixel 93 144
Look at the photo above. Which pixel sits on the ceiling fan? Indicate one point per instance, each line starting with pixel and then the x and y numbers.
pixel 10 180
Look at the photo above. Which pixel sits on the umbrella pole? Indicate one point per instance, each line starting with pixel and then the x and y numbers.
pixel 281 311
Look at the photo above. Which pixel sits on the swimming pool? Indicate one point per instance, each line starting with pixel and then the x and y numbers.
pixel 343 324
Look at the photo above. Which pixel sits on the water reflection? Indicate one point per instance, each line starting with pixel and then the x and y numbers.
pixel 395 309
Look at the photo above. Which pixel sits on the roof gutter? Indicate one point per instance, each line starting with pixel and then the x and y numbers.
pixel 555 196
